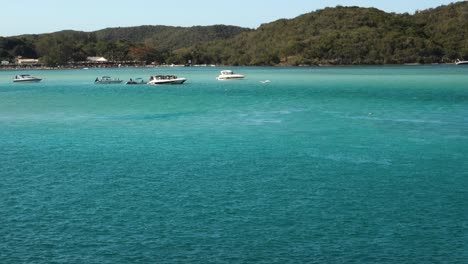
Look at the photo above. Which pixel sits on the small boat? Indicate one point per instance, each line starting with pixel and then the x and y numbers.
pixel 107 80
pixel 26 78
pixel 136 81
pixel 459 62
pixel 166 79
pixel 229 75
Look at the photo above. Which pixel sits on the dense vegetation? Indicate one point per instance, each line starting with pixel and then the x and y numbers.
pixel 144 43
pixel 350 35
pixel 340 35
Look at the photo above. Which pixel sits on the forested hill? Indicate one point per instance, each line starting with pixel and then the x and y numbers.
pixel 447 27
pixel 166 37
pixel 340 36
pixel 143 43
pixel 351 35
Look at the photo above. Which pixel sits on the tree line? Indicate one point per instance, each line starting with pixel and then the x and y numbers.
pixel 339 36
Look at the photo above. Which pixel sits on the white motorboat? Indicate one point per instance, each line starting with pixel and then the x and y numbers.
pixel 459 62
pixel 166 79
pixel 229 75
pixel 107 80
pixel 26 78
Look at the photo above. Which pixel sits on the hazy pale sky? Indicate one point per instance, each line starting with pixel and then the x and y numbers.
pixel 42 16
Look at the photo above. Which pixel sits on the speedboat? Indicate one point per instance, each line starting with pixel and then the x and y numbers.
pixel 166 79
pixel 229 75
pixel 459 62
pixel 107 80
pixel 26 78
pixel 135 81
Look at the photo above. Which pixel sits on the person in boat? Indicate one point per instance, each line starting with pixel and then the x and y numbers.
pixel 97 79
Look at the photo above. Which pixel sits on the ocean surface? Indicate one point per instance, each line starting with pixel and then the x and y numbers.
pixel 320 165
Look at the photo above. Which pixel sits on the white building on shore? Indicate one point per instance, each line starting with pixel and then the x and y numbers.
pixel 26 61
pixel 96 59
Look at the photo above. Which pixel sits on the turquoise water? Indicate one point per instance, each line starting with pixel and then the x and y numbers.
pixel 321 165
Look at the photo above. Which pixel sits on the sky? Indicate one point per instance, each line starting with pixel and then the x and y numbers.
pixel 44 16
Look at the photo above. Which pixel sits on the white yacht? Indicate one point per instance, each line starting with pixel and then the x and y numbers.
pixel 107 80
pixel 459 62
pixel 166 79
pixel 229 75
pixel 26 78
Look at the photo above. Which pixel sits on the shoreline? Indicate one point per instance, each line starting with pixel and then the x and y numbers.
pixel 119 66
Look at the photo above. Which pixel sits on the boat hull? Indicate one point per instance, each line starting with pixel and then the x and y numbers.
pixel 28 80
pixel 225 78
pixel 108 82
pixel 167 82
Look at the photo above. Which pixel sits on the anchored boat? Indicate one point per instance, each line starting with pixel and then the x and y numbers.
pixel 26 78
pixel 135 81
pixel 229 75
pixel 166 79
pixel 107 80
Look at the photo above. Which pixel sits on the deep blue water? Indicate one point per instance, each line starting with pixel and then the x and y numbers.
pixel 321 165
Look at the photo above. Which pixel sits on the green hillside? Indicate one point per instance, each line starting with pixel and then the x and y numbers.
pixel 337 36
pixel 165 37
pixel 447 27
pixel 349 35
pixel 144 43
